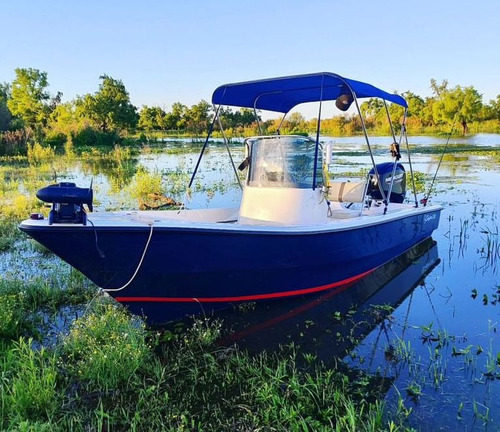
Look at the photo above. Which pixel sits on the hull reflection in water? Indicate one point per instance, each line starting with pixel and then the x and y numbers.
pixel 331 325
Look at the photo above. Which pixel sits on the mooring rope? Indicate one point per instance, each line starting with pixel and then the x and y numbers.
pixel 151 224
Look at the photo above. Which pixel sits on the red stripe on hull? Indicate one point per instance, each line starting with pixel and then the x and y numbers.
pixel 241 298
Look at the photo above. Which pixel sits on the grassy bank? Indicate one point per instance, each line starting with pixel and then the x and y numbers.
pixel 109 372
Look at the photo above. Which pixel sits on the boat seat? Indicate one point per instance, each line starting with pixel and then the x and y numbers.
pixel 350 192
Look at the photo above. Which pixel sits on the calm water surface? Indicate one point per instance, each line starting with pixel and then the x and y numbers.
pixel 438 346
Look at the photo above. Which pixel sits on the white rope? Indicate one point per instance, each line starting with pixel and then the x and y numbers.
pixel 151 224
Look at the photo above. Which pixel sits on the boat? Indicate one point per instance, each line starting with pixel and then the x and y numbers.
pixel 295 232
pixel 322 324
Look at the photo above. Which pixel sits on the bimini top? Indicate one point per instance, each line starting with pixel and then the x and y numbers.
pixel 282 94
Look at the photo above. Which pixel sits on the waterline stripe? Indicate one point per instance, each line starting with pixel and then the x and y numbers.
pixel 123 299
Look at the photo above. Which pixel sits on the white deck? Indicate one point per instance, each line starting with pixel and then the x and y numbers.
pixel 226 219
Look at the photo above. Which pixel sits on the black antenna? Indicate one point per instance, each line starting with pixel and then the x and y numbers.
pixel 426 198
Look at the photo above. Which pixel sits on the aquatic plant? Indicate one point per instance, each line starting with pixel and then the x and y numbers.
pixel 105 348
pixel 37 154
pixel 146 183
pixel 24 303
pixel 110 372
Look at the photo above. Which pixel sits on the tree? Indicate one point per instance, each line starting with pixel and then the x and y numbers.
pixel 234 119
pixel 458 104
pixel 372 107
pixel 151 118
pixel 64 119
pixel 198 117
pixel 438 89
pixel 471 107
pixel 494 108
pixel 109 108
pixel 29 97
pixel 415 104
pixel 5 114
pixel 176 118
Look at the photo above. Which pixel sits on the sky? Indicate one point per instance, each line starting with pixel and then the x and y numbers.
pixel 168 51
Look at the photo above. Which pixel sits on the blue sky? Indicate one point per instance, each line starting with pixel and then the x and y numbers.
pixel 167 51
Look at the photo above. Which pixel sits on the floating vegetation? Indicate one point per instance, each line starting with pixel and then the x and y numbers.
pixel 490 252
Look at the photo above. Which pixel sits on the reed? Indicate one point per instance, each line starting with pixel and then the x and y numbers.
pixel 29 391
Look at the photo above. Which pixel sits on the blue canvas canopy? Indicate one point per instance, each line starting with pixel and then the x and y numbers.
pixel 282 94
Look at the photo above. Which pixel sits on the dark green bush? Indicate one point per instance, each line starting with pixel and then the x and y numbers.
pixel 94 138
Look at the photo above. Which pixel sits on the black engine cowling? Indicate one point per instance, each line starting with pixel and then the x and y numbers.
pixel 385 174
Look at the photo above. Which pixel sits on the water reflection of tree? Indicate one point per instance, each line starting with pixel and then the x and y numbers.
pixel 119 173
pixel 455 163
pixel 300 168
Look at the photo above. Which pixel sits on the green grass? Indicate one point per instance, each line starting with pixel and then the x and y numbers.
pixel 110 373
pixel 24 304
pixel 29 391
pixel 105 348
pixel 9 234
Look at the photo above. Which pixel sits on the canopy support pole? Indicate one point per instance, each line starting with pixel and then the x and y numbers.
pixel 318 129
pixel 204 146
pixel 226 142
pixel 365 133
pixel 396 153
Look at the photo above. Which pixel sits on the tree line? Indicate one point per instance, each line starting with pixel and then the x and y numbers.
pixel 29 113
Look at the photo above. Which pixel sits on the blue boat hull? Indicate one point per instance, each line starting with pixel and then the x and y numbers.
pixel 192 270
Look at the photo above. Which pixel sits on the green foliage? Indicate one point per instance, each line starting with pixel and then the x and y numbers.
pixel 90 137
pixel 109 108
pixel 459 104
pixel 176 118
pixel 5 114
pixel 11 319
pixel 9 232
pixel 242 118
pixel 32 393
pixel 198 118
pixel 104 349
pixel 100 118
pixel 29 96
pixel 55 139
pixel 38 154
pixel 107 373
pixel 146 184
pixel 19 207
pixel 21 302
pixel 152 118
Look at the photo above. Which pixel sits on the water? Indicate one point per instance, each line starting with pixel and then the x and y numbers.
pixel 439 348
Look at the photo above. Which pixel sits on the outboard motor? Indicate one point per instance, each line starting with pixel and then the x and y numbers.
pixel 385 173
pixel 67 202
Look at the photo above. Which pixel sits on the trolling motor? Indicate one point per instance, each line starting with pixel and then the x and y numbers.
pixel 67 202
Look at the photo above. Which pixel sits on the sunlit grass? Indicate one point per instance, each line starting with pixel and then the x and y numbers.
pixel 105 348
pixel 29 385
pixel 110 371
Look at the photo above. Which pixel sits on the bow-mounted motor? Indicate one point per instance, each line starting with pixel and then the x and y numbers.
pixel 67 202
